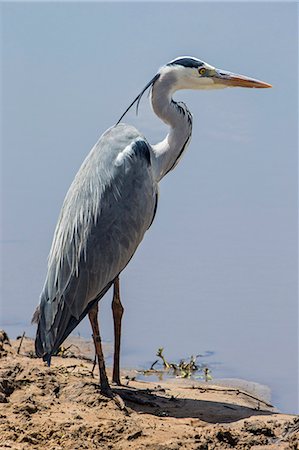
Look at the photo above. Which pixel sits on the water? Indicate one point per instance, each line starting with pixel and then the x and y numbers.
pixel 278 390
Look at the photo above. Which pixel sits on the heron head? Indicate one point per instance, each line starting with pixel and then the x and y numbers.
pixel 191 73
pixel 187 72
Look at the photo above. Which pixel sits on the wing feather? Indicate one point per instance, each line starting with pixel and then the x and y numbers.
pixel 106 212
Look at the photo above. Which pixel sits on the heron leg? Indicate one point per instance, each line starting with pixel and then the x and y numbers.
pixel 93 318
pixel 118 311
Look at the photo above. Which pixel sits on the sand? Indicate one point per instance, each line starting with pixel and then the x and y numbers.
pixel 61 407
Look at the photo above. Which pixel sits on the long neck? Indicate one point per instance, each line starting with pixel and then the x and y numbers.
pixel 169 151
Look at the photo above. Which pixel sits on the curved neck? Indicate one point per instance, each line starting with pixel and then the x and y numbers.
pixel 169 151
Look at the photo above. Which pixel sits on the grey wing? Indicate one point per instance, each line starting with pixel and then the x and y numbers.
pixel 108 208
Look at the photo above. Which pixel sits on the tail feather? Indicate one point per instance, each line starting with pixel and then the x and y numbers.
pixel 49 338
pixel 36 315
pixel 47 359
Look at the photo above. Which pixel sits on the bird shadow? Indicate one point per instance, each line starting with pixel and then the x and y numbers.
pixel 162 404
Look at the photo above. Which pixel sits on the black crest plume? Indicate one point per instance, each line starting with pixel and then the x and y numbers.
pixel 139 96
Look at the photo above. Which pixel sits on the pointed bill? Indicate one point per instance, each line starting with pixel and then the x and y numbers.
pixel 232 80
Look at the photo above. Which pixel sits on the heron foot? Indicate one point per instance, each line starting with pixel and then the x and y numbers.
pixel 120 403
pixel 116 382
pixel 107 392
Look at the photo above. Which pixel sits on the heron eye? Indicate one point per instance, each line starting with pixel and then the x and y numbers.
pixel 202 71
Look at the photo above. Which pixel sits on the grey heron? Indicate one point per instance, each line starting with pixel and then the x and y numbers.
pixel 111 204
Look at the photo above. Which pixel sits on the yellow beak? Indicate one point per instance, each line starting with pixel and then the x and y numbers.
pixel 232 80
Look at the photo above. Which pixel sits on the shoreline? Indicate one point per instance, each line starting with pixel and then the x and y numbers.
pixel 61 407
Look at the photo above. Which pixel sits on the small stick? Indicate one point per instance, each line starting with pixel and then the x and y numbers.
pixel 154 363
pixel 94 365
pixel 21 342
pixel 236 391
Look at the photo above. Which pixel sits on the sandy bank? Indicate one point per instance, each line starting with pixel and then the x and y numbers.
pixel 61 408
